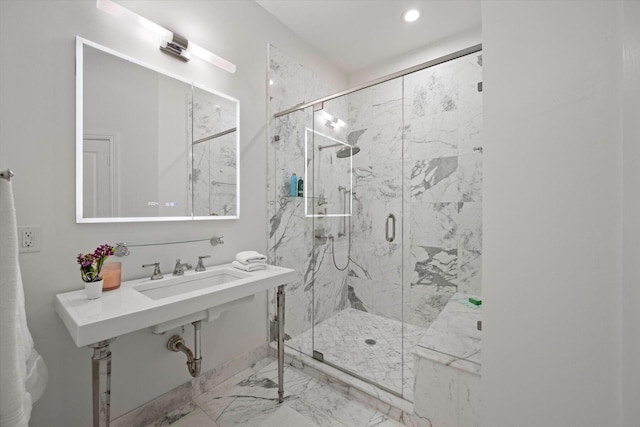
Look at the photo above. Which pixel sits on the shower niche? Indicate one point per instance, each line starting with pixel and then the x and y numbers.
pixel 329 182
pixel 393 176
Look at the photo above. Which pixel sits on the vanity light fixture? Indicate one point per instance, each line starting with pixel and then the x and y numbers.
pixel 411 15
pixel 170 42
pixel 177 47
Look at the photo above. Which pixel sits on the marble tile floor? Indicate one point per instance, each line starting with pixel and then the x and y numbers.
pixel 342 339
pixel 250 398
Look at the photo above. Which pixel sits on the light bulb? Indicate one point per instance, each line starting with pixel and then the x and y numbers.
pixel 411 15
pixel 214 59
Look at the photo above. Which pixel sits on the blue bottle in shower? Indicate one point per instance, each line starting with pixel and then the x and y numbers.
pixel 293 188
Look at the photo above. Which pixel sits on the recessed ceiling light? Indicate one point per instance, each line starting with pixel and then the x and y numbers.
pixel 411 15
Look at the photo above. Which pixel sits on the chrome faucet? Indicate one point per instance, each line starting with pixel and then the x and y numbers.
pixel 179 269
pixel 156 270
pixel 200 266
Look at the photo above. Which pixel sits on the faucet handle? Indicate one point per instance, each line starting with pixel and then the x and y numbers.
pixel 217 240
pixel 157 274
pixel 200 266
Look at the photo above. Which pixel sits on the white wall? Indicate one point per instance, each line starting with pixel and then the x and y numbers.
pixel 631 215
pixel 429 52
pixel 37 143
pixel 552 213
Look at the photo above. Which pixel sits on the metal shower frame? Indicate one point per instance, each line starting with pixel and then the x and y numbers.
pixel 318 103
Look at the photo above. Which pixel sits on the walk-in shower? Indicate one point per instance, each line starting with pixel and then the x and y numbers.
pixel 382 240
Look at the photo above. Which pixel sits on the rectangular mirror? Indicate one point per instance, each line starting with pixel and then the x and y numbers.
pixel 151 146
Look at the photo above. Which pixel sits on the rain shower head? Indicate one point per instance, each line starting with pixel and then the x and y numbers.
pixel 347 152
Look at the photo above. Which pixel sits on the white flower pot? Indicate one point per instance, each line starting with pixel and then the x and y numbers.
pixel 93 289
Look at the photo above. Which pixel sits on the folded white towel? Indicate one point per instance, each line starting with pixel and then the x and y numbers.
pixel 248 257
pixel 249 267
pixel 24 374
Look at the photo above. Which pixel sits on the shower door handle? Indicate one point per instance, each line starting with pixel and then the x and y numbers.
pixel 390 219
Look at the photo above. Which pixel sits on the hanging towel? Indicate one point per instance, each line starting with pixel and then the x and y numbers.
pixel 248 257
pixel 249 267
pixel 23 372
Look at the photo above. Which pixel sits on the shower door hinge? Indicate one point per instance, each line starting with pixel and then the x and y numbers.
pixel 318 356
pixel 276 138
pixel 479 86
pixel 317 107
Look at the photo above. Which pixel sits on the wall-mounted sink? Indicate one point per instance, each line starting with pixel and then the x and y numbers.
pixel 176 285
pixel 163 304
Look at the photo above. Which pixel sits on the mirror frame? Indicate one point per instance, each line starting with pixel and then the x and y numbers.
pixel 80 43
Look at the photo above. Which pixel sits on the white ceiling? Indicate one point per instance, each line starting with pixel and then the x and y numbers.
pixel 356 34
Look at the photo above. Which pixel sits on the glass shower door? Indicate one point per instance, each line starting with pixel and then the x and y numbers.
pixel 356 193
pixel 290 234
pixel 390 225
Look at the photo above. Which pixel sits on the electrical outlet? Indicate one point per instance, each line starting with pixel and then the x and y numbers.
pixel 29 238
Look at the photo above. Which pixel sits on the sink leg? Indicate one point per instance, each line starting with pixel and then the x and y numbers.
pixel 101 382
pixel 280 302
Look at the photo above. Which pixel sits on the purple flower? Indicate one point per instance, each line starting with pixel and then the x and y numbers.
pixel 91 263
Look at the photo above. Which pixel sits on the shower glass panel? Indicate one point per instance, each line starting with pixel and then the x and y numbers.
pixel 358 287
pixel 291 231
pixel 443 193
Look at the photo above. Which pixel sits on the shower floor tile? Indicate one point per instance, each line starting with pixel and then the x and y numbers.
pixel 345 341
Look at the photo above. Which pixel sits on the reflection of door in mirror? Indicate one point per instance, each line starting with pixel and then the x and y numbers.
pixel 214 154
pixel 98 188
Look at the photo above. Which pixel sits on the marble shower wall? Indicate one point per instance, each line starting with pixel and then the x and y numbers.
pixel 375 275
pixel 420 159
pixel 443 136
pixel 437 114
pixel 320 290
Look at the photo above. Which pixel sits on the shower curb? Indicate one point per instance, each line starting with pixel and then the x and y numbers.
pixel 387 403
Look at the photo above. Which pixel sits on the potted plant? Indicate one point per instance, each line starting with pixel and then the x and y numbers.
pixel 90 266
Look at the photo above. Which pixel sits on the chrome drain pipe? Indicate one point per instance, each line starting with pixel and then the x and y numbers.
pixel 194 359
